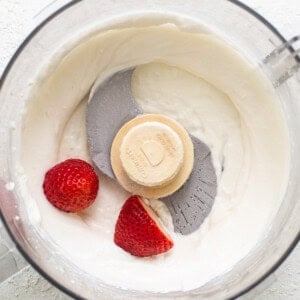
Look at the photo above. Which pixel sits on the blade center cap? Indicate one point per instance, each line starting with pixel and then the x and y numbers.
pixel 151 154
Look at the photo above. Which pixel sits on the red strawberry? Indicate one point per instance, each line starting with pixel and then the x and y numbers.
pixel 71 186
pixel 137 231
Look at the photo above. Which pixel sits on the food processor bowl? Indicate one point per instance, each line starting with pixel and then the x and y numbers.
pixel 258 40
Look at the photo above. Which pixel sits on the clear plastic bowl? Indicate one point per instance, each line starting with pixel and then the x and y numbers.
pixel 244 28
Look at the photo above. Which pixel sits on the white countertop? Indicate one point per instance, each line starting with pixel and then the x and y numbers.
pixel 16 21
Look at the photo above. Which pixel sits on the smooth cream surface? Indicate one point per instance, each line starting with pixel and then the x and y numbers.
pixel 207 86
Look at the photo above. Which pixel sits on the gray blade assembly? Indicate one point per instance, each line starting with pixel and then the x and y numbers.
pixel 191 204
pixel 110 106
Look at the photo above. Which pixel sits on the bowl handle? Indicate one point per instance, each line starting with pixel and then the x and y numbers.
pixel 284 60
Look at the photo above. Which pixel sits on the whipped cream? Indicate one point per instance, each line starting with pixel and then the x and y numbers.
pixel 217 95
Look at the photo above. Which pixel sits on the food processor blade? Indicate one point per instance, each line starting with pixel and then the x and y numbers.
pixel 111 105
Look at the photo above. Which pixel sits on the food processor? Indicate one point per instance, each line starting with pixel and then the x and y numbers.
pixel 258 40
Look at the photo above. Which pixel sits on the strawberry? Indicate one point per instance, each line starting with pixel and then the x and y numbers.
pixel 138 232
pixel 71 186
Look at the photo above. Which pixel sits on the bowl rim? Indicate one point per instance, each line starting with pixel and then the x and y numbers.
pixel 2 79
